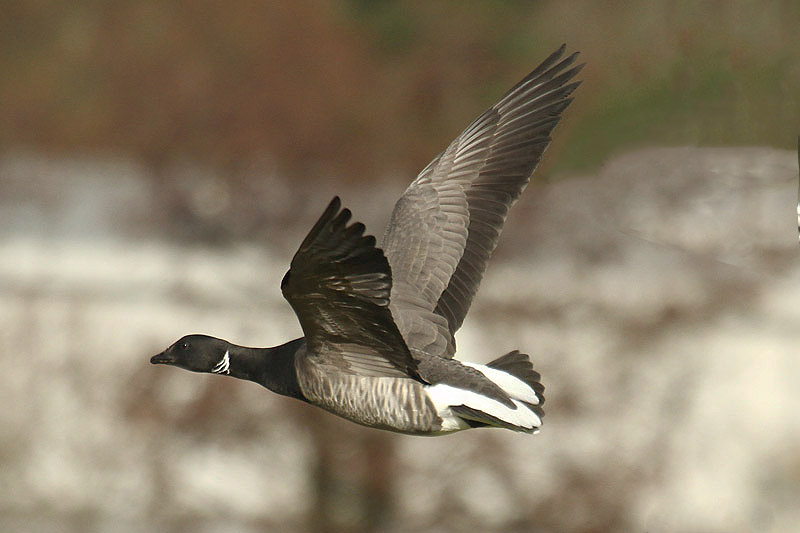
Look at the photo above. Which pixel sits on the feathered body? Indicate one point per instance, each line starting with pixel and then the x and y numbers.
pixel 379 321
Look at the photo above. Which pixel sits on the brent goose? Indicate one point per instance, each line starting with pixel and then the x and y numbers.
pixel 379 322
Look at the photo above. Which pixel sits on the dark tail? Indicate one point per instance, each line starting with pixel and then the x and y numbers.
pixel 519 365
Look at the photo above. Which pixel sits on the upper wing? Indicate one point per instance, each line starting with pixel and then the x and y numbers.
pixel 339 285
pixel 445 226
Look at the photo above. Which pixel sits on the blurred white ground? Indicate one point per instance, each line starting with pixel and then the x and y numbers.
pixel 659 300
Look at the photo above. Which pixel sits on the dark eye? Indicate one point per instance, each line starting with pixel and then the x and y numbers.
pixel 185 345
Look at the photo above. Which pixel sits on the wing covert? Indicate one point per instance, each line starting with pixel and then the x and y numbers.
pixel 445 227
pixel 339 285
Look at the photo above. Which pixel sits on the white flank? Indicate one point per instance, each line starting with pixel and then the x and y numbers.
pixel 224 365
pixel 445 396
pixel 514 387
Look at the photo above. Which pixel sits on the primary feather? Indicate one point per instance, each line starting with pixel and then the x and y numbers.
pixel 379 322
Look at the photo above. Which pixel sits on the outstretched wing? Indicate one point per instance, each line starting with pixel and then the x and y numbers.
pixel 339 285
pixel 445 227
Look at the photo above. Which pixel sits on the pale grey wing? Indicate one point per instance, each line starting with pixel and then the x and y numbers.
pixel 424 242
pixel 339 285
pixel 446 225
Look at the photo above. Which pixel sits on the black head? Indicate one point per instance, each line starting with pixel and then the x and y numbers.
pixel 198 353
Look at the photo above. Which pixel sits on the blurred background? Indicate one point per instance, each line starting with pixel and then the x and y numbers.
pixel 161 160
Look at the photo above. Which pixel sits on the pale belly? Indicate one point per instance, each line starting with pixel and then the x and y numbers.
pixel 394 404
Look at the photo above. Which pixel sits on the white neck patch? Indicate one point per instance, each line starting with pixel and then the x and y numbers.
pixel 224 365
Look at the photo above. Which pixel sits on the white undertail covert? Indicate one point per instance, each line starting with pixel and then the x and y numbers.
pixel 446 396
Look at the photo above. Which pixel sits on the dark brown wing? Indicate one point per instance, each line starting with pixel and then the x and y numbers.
pixel 339 285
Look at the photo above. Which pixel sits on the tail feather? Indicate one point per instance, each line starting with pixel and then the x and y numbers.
pixel 477 418
pixel 519 365
pixel 514 375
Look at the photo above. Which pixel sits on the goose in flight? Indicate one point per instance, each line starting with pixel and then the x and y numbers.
pixel 379 321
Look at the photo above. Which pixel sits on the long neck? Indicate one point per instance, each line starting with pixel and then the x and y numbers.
pixel 272 368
